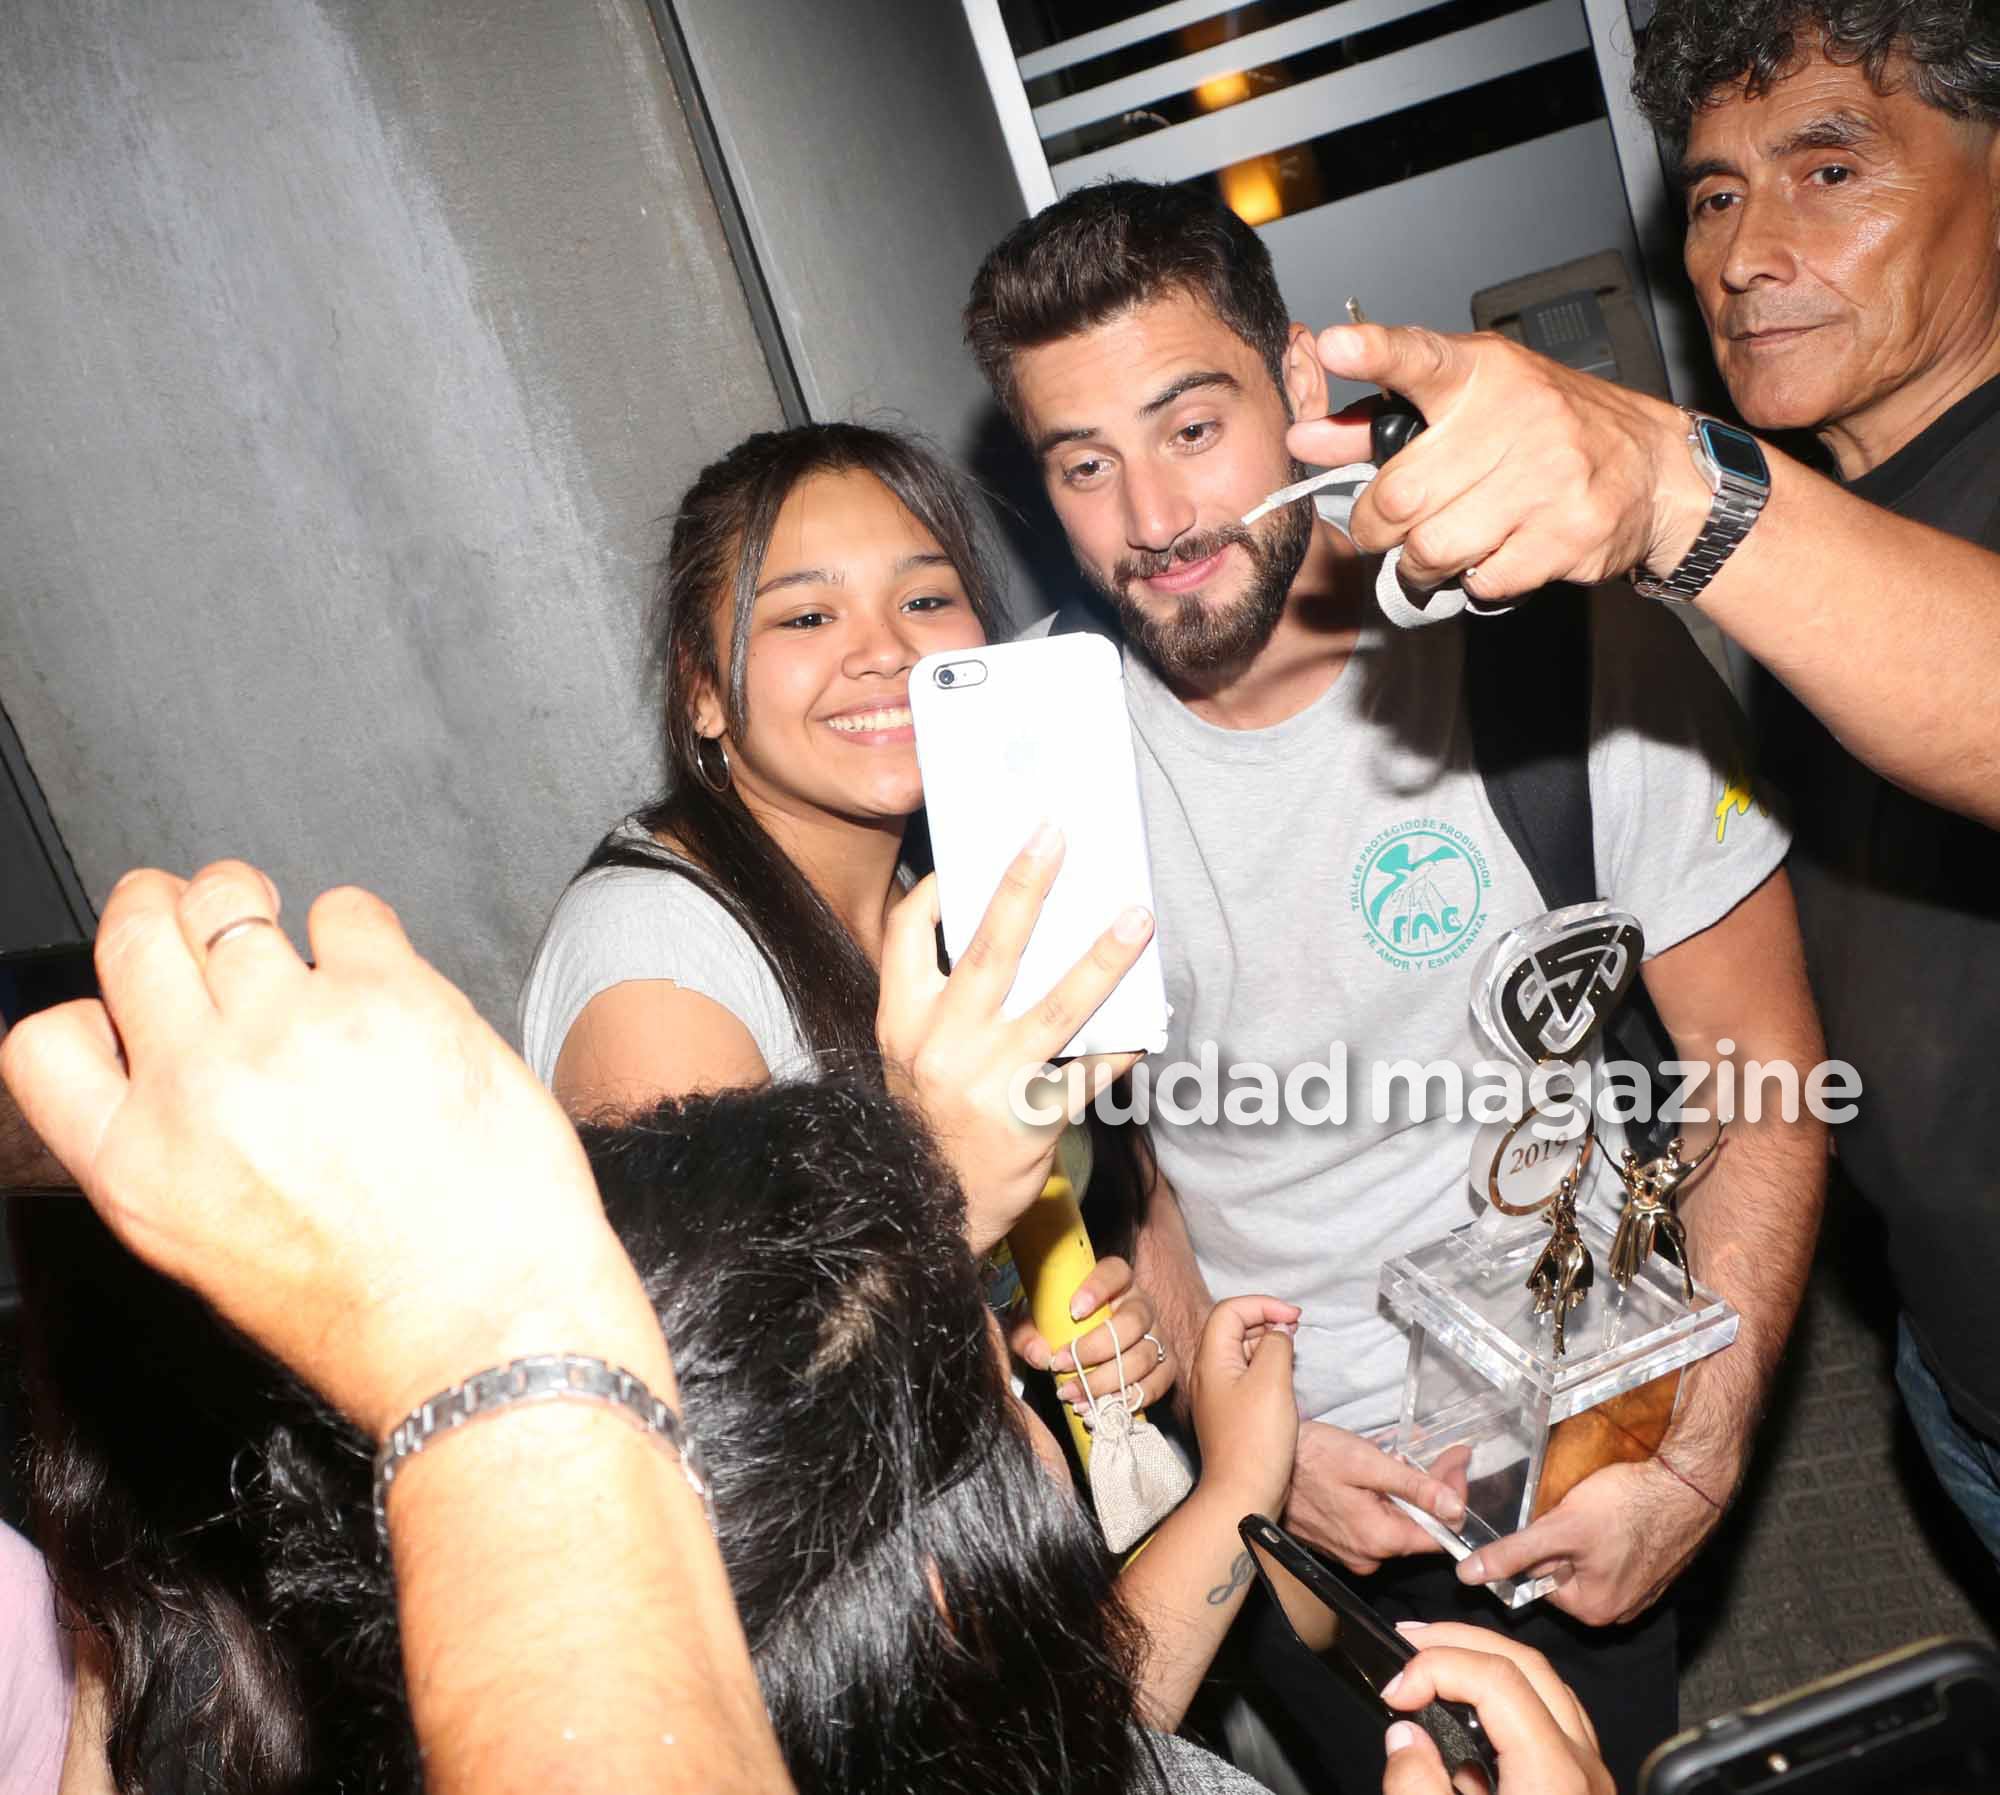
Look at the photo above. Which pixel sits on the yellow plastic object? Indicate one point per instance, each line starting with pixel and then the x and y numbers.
pixel 1053 1255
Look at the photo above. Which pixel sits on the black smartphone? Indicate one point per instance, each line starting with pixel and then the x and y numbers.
pixel 38 978
pixel 1330 1619
pixel 1924 1720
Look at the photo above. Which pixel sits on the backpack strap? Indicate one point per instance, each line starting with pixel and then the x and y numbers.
pixel 1527 693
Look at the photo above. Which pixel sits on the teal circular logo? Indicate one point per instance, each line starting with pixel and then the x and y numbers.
pixel 1419 887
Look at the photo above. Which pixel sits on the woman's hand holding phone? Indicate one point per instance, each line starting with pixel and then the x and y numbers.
pixel 947 1047
pixel 1543 1738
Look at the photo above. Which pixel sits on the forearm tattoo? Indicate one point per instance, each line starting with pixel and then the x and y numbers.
pixel 1239 1574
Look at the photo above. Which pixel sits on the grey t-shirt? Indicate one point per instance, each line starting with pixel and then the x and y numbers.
pixel 626 923
pixel 1188 1770
pixel 1334 878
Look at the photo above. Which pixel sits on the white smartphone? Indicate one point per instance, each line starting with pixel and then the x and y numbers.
pixel 1013 736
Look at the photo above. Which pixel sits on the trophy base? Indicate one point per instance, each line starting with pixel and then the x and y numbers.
pixel 1489 1407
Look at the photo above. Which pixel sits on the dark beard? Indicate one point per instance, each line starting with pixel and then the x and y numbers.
pixel 1196 641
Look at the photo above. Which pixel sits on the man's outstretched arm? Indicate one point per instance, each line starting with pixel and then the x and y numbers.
pixel 1887 630
pixel 354 1170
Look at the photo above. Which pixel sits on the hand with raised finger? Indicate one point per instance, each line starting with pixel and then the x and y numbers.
pixel 1340 1493
pixel 949 1047
pixel 1340 439
pixel 1420 365
pixel 1528 473
pixel 346 1161
pixel 1539 1732
pixel 1617 1541
pixel 1240 1392
pixel 1127 1342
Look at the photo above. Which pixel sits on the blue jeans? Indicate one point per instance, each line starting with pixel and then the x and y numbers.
pixel 1966 1461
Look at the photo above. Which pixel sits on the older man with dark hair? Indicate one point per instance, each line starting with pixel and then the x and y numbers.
pixel 1841 166
pixel 1695 52
pixel 1842 170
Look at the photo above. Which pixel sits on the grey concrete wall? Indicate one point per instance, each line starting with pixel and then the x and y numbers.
pixel 348 352
pixel 865 151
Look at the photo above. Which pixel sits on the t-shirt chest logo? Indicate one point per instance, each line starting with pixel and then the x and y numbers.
pixel 1419 890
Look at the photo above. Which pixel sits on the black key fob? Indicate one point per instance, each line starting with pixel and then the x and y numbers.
pixel 1393 427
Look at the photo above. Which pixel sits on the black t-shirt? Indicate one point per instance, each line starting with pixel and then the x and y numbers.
pixel 1900 906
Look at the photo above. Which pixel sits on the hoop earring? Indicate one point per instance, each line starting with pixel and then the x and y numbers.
pixel 717 785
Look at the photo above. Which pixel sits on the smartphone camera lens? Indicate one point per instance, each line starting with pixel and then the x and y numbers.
pixel 945 676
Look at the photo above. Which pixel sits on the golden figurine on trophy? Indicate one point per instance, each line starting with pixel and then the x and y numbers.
pixel 1651 1220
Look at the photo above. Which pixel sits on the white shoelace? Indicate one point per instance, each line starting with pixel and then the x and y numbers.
pixel 1333 494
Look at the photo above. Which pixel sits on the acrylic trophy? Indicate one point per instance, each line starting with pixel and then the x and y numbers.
pixel 1547 1340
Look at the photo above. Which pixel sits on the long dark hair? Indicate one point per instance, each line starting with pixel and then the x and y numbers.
pixel 720 534
pixel 927 1608
pixel 208 1522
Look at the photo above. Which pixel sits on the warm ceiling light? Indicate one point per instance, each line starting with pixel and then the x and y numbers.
pixel 1222 90
pixel 1250 190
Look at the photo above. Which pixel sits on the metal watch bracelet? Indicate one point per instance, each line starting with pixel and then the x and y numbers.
pixel 1736 499
pixel 1729 521
pixel 545 1377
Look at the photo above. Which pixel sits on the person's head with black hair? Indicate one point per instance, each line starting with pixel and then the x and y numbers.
pixel 1693 53
pixel 1114 248
pixel 926 1607
pixel 1840 161
pixel 208 1524
pixel 806 570
pixel 1136 337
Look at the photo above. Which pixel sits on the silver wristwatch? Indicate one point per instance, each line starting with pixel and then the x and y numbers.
pixel 1732 462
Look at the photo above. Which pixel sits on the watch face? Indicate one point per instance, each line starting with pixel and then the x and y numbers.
pixel 1734 451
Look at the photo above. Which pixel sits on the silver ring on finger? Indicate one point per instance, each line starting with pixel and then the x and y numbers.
pixel 1158 1347
pixel 229 930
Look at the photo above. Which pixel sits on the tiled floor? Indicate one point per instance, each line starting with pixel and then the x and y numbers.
pixel 1841 1545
